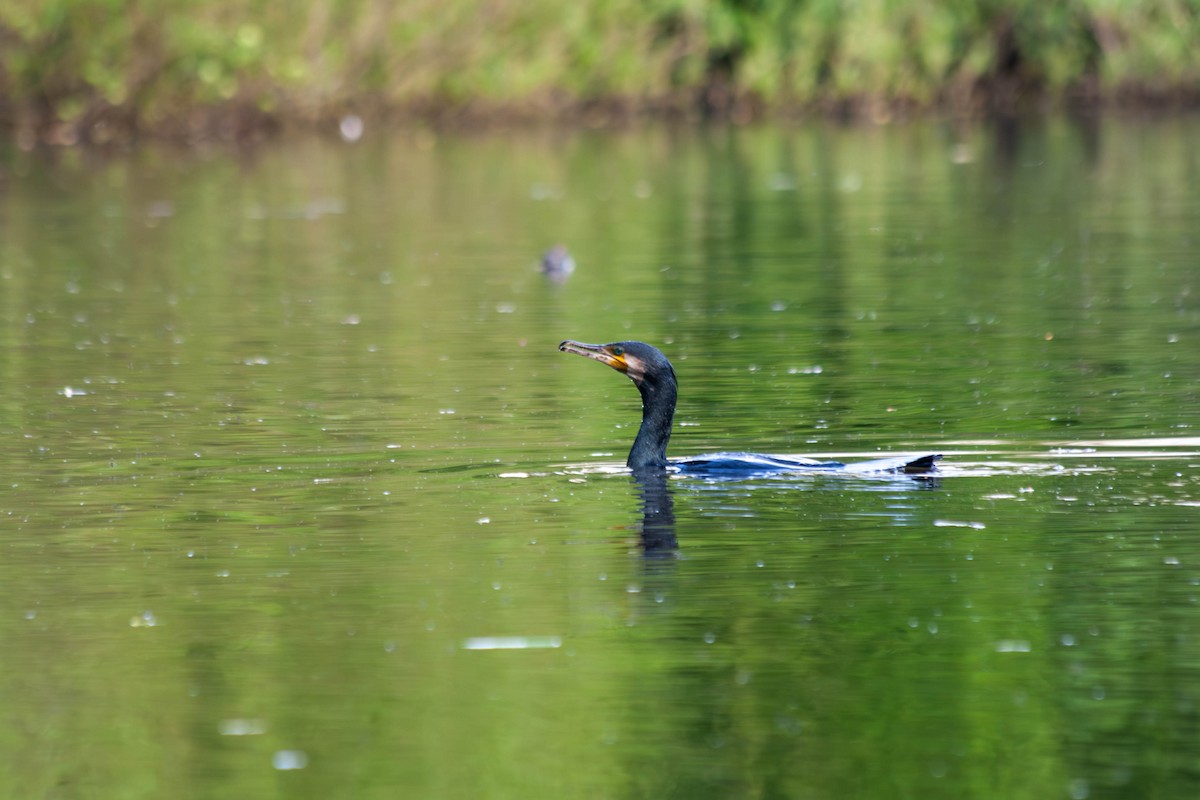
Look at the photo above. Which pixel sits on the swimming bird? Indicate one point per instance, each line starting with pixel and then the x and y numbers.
pixel 653 375
pixel 557 263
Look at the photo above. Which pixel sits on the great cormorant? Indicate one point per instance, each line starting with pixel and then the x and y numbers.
pixel 654 377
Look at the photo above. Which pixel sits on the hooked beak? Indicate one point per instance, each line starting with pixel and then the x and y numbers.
pixel 604 353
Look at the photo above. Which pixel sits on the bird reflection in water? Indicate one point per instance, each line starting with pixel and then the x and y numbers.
pixel 658 513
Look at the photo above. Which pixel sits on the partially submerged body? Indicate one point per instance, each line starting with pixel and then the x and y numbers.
pixel 655 379
pixel 756 463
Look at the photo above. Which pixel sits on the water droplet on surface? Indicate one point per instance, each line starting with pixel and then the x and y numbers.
pixel 289 759
pixel 781 182
pixel 961 153
pixel 351 128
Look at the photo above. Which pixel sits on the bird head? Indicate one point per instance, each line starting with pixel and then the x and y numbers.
pixel 644 364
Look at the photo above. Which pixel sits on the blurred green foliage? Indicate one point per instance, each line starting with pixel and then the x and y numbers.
pixel 92 65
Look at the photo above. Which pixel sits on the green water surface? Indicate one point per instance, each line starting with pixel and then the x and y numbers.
pixel 299 499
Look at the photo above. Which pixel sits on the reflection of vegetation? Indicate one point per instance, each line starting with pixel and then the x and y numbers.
pixel 101 68
pixel 285 362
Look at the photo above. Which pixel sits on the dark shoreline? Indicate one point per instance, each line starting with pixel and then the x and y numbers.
pixel 244 123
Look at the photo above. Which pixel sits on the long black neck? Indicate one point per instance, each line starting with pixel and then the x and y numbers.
pixel 658 409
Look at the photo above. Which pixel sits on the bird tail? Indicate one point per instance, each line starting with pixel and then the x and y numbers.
pixel 907 465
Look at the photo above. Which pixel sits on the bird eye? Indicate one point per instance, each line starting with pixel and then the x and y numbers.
pixel 618 350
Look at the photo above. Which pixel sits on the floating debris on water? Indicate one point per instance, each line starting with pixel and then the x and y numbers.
pixel 242 727
pixel 144 620
pixel 512 643
pixel 950 523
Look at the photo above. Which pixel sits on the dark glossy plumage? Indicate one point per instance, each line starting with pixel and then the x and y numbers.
pixel 655 379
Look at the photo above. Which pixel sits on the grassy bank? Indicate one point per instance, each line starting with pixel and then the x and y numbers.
pixel 106 70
